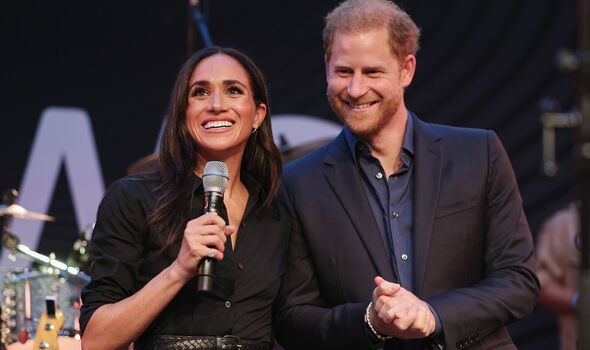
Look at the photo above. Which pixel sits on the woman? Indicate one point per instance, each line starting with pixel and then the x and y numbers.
pixel 151 233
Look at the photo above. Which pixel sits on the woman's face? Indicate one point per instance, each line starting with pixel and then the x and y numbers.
pixel 221 111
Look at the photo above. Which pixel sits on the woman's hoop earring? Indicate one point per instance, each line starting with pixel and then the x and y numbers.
pixel 254 130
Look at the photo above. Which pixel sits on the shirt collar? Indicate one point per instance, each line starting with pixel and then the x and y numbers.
pixel 355 145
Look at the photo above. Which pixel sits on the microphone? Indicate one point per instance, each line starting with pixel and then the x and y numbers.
pixel 215 178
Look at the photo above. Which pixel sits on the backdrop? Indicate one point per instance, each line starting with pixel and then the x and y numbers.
pixel 85 86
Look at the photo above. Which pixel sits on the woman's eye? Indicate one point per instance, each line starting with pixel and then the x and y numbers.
pixel 235 90
pixel 199 92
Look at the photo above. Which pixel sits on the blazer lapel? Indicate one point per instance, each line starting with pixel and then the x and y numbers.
pixel 346 182
pixel 427 178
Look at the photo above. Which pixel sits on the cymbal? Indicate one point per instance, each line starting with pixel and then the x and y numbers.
pixel 16 211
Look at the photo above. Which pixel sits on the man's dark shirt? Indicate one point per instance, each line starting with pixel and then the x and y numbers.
pixel 391 201
pixel 126 258
pixel 392 204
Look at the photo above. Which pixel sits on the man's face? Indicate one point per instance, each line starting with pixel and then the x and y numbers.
pixel 366 81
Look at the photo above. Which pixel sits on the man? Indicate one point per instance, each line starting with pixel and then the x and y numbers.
pixel 558 267
pixel 407 234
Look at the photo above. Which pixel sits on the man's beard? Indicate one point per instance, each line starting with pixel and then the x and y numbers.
pixel 364 125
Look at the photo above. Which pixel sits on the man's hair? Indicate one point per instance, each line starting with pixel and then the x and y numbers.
pixel 354 16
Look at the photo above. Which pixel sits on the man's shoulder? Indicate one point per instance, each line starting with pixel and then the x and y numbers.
pixel 446 130
pixel 455 137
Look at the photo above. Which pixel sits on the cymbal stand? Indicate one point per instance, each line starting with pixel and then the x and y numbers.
pixel 8 198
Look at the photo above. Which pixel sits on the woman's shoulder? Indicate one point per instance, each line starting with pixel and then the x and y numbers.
pixel 134 186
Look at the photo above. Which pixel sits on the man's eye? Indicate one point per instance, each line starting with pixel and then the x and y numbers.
pixel 343 71
pixel 373 73
pixel 235 90
pixel 199 92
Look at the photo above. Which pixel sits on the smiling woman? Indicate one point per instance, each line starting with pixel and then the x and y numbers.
pixel 221 111
pixel 150 233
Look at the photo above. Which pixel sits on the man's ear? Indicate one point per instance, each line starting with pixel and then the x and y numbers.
pixel 408 68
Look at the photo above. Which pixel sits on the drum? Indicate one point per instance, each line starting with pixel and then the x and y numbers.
pixel 24 295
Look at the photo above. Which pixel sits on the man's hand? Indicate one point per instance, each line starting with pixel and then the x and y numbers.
pixel 399 313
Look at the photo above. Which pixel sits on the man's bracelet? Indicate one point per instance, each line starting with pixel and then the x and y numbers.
pixel 377 335
pixel 575 300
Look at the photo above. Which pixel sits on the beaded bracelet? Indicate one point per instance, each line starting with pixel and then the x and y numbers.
pixel 377 335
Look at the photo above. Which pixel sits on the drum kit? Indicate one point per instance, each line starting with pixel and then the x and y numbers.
pixel 40 306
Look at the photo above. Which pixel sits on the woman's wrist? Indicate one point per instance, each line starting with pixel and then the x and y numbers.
pixel 177 274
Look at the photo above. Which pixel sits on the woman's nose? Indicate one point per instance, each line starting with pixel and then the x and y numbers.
pixel 217 102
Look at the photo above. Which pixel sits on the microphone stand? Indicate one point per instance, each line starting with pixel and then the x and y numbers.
pixel 196 21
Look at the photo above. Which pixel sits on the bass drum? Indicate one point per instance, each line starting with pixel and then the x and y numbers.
pixel 24 302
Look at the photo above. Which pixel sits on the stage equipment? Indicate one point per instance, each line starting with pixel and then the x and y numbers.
pixel 577 63
pixel 16 211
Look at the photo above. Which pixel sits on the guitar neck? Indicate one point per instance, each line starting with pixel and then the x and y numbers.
pixel 49 327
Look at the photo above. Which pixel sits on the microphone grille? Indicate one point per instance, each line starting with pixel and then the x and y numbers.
pixel 215 177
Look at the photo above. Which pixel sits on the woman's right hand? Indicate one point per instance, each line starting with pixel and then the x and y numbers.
pixel 204 237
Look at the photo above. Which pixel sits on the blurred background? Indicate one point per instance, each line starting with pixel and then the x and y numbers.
pixel 85 87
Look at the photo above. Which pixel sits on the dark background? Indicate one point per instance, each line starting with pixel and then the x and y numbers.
pixel 483 64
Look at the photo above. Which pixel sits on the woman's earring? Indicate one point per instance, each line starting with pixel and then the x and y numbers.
pixel 254 130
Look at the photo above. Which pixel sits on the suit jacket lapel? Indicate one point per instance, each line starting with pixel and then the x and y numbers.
pixel 346 182
pixel 427 178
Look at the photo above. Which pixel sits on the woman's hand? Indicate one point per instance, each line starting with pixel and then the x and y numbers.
pixel 204 237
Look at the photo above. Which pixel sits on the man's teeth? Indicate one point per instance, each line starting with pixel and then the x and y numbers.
pixel 218 124
pixel 361 105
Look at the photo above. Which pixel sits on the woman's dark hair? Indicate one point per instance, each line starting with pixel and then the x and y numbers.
pixel 178 159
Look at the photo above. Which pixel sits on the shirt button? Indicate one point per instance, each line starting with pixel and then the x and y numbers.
pixel 379 175
pixel 240 266
pixel 404 256
pixel 395 214
pixel 227 304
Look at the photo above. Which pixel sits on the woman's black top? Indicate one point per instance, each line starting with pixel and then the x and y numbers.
pixel 126 257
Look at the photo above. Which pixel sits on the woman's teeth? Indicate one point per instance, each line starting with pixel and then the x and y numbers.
pixel 218 124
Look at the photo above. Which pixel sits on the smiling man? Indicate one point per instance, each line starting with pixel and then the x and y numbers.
pixel 408 235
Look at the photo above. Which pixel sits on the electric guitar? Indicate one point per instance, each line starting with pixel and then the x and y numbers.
pixel 48 329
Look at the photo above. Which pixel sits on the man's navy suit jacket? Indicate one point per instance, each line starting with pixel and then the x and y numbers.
pixel 473 252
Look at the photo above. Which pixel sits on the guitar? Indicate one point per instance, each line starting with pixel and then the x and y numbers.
pixel 48 329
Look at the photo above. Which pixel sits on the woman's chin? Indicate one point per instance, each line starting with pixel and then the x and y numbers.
pixel 222 149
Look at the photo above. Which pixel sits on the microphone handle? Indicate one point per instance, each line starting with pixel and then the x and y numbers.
pixel 206 270
pixel 206 276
